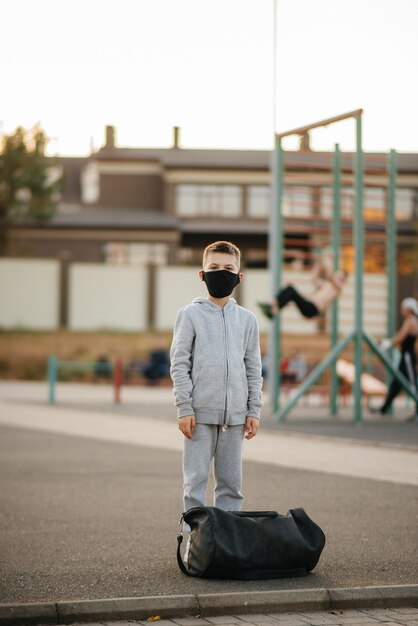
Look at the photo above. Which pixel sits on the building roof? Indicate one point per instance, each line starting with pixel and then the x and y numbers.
pixel 190 158
pixel 110 217
pixel 247 159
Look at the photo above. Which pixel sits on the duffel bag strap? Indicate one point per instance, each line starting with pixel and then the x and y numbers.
pixel 179 542
pixel 179 558
pixel 256 514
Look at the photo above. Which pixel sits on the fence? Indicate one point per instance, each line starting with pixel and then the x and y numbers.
pixel 141 298
pixel 113 370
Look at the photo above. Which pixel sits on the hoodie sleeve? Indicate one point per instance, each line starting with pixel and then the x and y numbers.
pixel 253 370
pixel 181 363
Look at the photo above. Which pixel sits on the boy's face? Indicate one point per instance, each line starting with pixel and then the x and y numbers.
pixel 221 261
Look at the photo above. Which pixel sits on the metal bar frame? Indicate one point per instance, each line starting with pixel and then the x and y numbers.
pixel 313 376
pixel 391 243
pixel 336 242
pixel 406 385
pixel 276 264
pixel 52 375
pixel 358 242
pixel 276 255
pixel 326 122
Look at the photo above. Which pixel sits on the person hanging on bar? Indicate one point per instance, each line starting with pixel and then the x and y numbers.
pixel 328 288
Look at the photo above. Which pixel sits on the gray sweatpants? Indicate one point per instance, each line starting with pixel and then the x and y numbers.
pixel 225 448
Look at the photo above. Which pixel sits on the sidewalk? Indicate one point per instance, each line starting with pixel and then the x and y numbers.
pixel 91 501
pixel 157 402
pixel 129 611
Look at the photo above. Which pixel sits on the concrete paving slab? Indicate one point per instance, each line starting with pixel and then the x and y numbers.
pixel 249 618
pixel 281 449
pixel 157 403
pixel 28 613
pixel 127 608
pixel 87 519
pixel 91 503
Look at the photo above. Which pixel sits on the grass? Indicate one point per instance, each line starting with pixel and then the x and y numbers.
pixel 24 353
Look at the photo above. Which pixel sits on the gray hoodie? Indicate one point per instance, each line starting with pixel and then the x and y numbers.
pixel 216 364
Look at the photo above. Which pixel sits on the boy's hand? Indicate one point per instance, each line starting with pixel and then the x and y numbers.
pixel 187 425
pixel 251 427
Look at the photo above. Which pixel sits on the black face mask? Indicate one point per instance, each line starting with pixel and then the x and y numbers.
pixel 220 283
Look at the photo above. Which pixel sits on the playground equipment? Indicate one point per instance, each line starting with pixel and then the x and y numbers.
pixel 276 253
pixel 370 385
pixel 54 366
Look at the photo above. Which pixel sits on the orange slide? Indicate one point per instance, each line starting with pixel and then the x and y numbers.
pixel 370 385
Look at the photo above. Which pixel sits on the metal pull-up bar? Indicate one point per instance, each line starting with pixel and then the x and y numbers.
pixel 276 252
pixel 327 122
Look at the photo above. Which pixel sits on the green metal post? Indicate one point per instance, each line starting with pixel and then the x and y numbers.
pixel 336 230
pixel 391 250
pixel 276 242
pixel 314 375
pixel 52 371
pixel 391 244
pixel 387 362
pixel 359 257
pixel 391 255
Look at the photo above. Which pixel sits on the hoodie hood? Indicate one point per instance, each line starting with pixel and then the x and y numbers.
pixel 205 301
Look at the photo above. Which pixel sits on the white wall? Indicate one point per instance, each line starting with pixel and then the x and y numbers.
pixel 175 287
pixel 374 305
pixel 116 297
pixel 29 293
pixel 104 296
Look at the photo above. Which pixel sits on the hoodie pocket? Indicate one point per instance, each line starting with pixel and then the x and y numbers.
pixel 238 389
pixel 209 388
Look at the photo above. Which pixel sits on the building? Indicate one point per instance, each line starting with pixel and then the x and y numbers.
pixel 154 207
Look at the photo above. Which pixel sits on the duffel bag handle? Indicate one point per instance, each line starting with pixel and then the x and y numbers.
pixel 179 559
pixel 256 513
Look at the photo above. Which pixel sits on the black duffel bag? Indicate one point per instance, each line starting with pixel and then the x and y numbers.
pixel 250 545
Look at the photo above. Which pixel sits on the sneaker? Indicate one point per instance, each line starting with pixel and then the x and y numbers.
pixel 412 418
pixel 376 411
pixel 266 309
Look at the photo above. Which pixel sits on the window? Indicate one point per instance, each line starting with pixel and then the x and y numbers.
pixel 259 199
pixel 374 203
pixel 136 253
pixel 297 201
pixel 404 203
pixel 90 183
pixel 208 200
pixel 374 258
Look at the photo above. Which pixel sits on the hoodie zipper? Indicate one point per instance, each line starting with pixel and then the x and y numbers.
pixel 225 420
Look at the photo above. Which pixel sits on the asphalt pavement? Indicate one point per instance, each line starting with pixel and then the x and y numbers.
pixel 93 515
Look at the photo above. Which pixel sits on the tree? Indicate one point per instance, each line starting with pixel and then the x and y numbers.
pixel 30 182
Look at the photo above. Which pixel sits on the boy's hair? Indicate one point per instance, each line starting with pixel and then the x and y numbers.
pixel 223 246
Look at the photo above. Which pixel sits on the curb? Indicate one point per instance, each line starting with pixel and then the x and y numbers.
pixel 208 605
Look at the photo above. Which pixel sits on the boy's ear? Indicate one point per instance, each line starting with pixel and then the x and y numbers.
pixel 241 276
pixel 201 274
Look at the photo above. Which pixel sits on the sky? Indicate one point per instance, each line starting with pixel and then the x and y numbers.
pixel 225 71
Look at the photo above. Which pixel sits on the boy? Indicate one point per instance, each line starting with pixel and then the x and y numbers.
pixel 328 289
pixel 216 373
